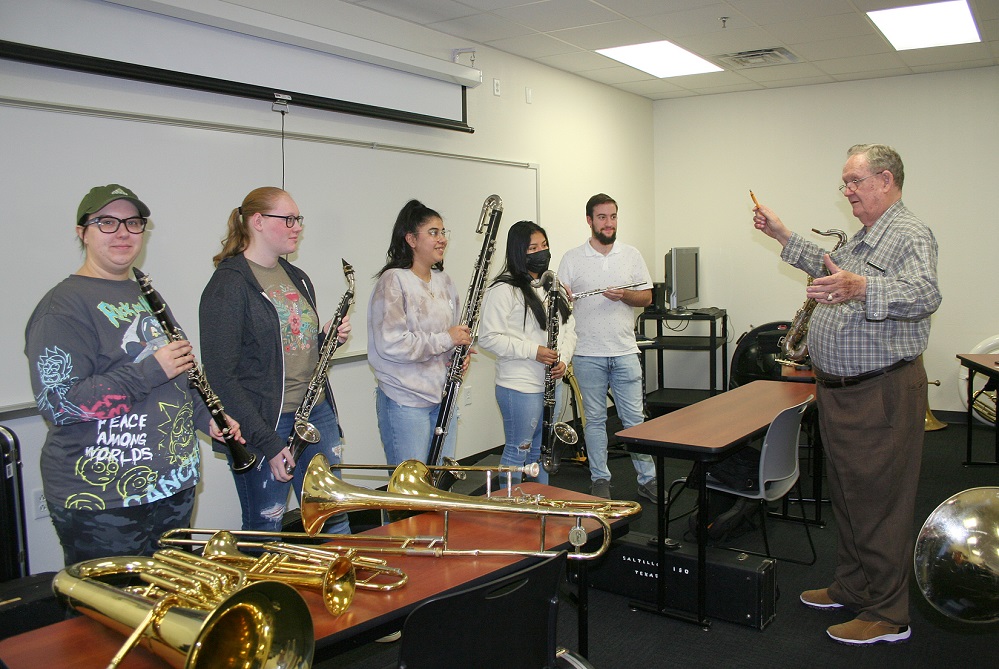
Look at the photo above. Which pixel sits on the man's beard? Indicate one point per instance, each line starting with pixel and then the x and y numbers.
pixel 606 240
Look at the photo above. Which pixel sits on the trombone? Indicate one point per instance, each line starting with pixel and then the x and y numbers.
pixel 411 489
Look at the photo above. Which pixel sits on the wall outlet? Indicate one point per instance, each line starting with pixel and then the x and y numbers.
pixel 39 504
pixel 496 86
pixel 468 396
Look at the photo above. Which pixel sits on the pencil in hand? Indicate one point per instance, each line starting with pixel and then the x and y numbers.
pixel 755 201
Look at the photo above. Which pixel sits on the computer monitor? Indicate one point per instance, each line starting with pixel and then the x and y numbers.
pixel 681 278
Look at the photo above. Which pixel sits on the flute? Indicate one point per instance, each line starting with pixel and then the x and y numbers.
pixel 587 293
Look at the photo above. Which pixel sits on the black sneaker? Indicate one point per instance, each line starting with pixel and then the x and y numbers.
pixel 600 488
pixel 649 490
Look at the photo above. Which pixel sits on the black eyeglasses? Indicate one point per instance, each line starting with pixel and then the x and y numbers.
pixel 290 221
pixel 852 185
pixel 109 224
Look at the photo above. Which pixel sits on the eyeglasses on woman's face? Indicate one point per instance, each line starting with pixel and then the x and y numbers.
pixel 289 221
pixel 109 224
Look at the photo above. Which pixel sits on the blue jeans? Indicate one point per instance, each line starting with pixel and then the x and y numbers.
pixel 523 428
pixel 623 375
pixel 264 499
pixel 406 432
pixel 523 425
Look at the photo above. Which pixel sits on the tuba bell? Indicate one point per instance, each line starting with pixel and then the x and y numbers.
pixel 192 613
pixel 956 558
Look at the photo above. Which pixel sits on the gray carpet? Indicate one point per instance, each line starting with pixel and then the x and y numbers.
pixel 625 639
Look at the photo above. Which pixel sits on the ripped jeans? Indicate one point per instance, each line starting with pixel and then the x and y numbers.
pixel 264 500
pixel 523 424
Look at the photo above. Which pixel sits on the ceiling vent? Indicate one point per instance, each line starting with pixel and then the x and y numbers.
pixel 757 58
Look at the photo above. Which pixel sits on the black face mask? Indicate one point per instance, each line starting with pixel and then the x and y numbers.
pixel 537 262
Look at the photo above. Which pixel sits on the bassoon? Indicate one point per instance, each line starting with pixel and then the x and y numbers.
pixel 242 459
pixel 489 222
pixel 304 433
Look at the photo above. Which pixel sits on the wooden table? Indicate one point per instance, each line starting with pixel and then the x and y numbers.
pixel 83 643
pixel 706 432
pixel 980 363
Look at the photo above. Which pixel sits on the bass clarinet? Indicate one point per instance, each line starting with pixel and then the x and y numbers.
pixel 489 222
pixel 242 459
pixel 551 429
pixel 304 433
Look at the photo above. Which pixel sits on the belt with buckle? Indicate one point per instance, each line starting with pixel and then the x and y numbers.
pixel 831 381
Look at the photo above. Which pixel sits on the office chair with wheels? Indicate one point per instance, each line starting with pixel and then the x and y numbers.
pixel 778 473
pixel 509 622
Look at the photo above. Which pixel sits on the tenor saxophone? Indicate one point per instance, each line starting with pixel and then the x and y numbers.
pixel 242 459
pixel 304 433
pixel 793 346
pixel 489 222
pixel 551 429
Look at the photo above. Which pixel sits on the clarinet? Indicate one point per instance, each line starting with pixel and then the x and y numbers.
pixel 551 429
pixel 304 433
pixel 242 459
pixel 489 221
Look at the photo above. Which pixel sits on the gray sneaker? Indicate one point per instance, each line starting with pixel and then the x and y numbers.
pixel 649 491
pixel 600 488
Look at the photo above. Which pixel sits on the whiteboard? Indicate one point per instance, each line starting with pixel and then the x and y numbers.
pixel 192 177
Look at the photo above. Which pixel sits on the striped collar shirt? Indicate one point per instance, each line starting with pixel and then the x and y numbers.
pixel 898 257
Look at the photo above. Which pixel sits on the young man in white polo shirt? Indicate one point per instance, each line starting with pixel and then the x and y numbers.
pixel 606 354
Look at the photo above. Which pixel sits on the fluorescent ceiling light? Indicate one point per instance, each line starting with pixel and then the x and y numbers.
pixel 660 59
pixel 922 26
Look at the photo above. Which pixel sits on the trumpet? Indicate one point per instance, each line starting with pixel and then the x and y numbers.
pixel 192 612
pixel 331 573
pixel 411 489
pixel 597 291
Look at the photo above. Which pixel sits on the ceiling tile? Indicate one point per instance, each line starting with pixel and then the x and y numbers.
pixel 604 35
pixel 580 61
pixel 860 64
pixel 481 28
pixel 420 11
pixel 535 45
pixel 827 27
pixel 845 47
pixel 558 14
pixel 619 75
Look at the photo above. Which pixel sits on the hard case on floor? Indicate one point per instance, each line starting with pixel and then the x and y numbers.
pixel 742 588
pixel 13 532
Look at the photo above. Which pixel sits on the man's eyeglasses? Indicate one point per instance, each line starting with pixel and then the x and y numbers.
pixel 109 224
pixel 289 221
pixel 852 185
pixel 436 232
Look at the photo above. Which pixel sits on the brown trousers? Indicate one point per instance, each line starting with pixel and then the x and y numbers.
pixel 873 436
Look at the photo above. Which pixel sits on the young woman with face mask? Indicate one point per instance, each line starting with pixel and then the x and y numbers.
pixel 514 328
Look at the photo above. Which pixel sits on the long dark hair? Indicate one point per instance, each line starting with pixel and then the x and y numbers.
pixel 515 271
pixel 410 218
